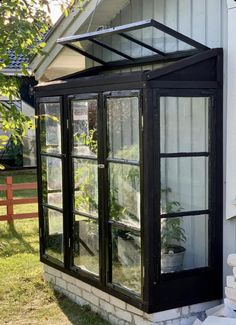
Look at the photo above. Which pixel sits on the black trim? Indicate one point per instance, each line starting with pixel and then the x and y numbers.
pixel 88 55
pixel 185 214
pixel 121 225
pixel 86 215
pixel 112 49
pixel 184 154
pixel 123 161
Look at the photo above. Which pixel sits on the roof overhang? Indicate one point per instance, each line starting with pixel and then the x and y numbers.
pixel 113 46
pixel 200 68
pixel 47 66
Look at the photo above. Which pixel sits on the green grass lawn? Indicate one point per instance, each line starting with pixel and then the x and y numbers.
pixel 25 299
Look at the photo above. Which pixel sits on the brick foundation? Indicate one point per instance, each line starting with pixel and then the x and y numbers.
pixel 115 310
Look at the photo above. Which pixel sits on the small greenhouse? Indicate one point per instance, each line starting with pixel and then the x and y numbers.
pixel 130 166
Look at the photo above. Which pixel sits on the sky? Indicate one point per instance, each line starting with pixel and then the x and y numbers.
pixel 55 12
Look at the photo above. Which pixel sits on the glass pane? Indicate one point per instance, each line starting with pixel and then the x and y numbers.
pixel 184 243
pixel 126 259
pixel 184 184
pixel 184 124
pixel 54 234
pixel 50 127
pixel 121 44
pixel 52 181
pixel 86 186
pixel 124 198
pixel 157 39
pixel 148 35
pixel 84 114
pixel 86 244
pixel 123 128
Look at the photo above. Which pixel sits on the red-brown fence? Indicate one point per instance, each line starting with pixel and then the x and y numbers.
pixel 9 202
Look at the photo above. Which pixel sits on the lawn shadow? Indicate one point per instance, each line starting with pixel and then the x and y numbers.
pixel 9 247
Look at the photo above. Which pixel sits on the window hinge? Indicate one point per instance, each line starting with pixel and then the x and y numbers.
pixel 142 122
pixel 69 243
pixel 40 232
pixel 67 124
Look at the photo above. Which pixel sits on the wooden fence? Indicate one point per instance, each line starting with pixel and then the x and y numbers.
pixel 9 202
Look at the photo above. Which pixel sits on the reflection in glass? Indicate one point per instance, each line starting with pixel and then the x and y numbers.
pixel 124 200
pixel 123 128
pixel 184 124
pixel 149 35
pixel 184 184
pixel 50 127
pixel 52 181
pixel 126 259
pixel 86 186
pixel 84 114
pixel 86 244
pixel 184 243
pixel 54 234
pixel 159 40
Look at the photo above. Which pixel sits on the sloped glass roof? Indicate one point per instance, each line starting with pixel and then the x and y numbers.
pixel 140 42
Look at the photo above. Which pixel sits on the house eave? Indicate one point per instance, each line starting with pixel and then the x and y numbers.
pixel 77 21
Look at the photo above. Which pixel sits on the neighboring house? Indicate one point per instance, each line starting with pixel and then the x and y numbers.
pixel 27 155
pixel 188 97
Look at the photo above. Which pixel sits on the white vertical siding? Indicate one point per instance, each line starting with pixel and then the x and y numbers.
pixel 204 21
pixel 200 19
pixel 230 134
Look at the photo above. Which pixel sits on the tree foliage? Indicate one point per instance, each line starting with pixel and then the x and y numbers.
pixel 23 25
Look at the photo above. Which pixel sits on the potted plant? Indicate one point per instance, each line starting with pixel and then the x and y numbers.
pixel 172 238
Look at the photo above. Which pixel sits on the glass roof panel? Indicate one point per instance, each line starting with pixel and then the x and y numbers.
pixel 159 40
pixel 113 48
pixel 140 42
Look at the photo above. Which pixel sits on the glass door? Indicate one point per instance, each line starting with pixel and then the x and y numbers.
pixel 84 164
pixel 105 163
pixel 123 190
pixel 51 164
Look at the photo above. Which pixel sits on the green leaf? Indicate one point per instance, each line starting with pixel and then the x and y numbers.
pixel 2 167
pixel 23 24
pixel 42 44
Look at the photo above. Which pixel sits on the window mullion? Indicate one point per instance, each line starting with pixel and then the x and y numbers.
pixel 66 184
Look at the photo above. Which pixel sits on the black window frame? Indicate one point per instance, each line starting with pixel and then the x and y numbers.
pixel 108 222
pixel 70 177
pixel 61 156
pixel 198 76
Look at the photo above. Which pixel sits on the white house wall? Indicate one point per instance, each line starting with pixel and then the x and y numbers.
pixel 204 21
pixel 230 135
pixel 199 19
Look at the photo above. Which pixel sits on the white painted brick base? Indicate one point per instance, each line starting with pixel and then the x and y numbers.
pixel 116 311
